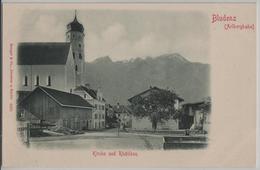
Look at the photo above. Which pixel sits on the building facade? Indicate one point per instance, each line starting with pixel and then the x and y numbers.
pixel 145 123
pixel 124 116
pixel 96 99
pixel 196 116
pixel 55 107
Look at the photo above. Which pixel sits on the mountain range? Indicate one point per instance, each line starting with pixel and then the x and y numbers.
pixel 120 80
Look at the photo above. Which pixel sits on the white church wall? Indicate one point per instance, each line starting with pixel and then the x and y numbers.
pixel 70 73
pixel 77 46
pixel 56 72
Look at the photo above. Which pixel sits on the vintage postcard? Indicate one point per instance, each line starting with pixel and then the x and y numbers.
pixel 129 85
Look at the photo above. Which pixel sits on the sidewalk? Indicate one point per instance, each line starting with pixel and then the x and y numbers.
pixel 109 134
pixel 100 140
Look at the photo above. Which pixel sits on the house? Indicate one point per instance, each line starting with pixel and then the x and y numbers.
pixel 95 98
pixel 123 114
pixel 196 115
pixel 191 115
pixel 144 123
pixel 57 65
pixel 151 90
pixel 56 107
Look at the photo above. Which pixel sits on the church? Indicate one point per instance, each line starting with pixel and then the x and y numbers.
pixel 57 65
pixel 48 75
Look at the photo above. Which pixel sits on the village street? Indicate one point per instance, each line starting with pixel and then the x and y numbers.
pixel 108 139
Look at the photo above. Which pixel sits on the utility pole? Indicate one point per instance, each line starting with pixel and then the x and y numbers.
pixel 118 128
pixel 28 134
pixel 118 125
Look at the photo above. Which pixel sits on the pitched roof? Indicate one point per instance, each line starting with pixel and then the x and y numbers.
pixel 193 104
pixel 63 98
pixel 43 53
pixel 152 89
pixel 21 95
pixel 120 109
pixel 91 92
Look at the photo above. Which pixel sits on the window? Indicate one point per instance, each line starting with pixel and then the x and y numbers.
pixel 65 123
pixel 85 96
pixel 96 106
pixel 37 80
pixel 79 45
pixel 96 116
pixel 51 110
pixel 49 81
pixel 80 56
pixel 70 90
pixel 76 68
pixel 25 81
pixel 73 55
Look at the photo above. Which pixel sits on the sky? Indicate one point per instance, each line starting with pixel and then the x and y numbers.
pixel 124 34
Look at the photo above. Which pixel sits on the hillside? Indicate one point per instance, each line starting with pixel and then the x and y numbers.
pixel 121 80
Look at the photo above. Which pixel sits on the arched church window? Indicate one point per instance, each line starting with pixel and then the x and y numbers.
pixel 73 55
pixel 79 45
pixel 49 81
pixel 37 81
pixel 25 81
pixel 76 68
pixel 80 56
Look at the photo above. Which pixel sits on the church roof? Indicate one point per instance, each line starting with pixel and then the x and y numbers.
pixel 43 53
pixel 75 26
pixel 91 92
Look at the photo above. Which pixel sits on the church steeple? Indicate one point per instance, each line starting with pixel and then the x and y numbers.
pixel 75 25
pixel 75 35
pixel 75 18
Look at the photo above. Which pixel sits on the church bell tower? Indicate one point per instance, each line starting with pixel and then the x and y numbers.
pixel 75 35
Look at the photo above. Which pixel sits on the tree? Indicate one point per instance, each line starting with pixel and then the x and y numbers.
pixel 158 106
pixel 111 119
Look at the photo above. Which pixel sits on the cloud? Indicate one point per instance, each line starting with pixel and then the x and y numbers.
pixel 123 36
pixel 113 34
pixel 114 41
pixel 44 28
pixel 111 41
